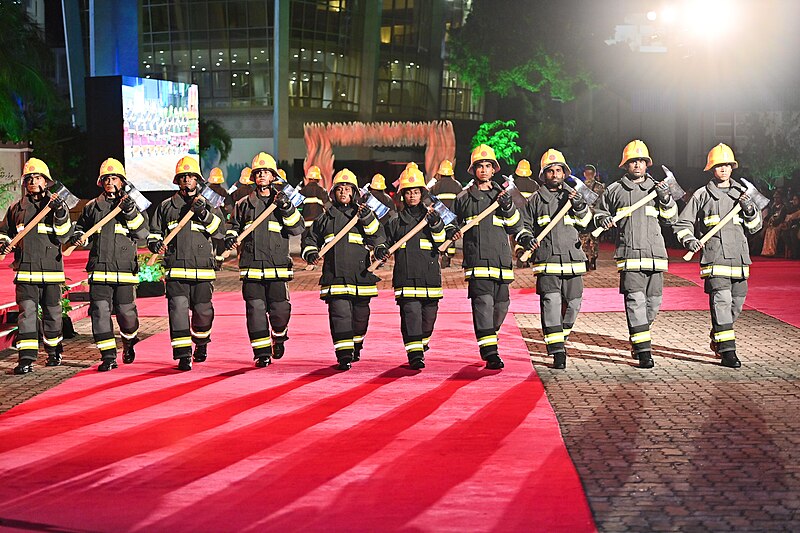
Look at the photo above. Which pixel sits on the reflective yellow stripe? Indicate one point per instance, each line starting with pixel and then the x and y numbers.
pixel 414 346
pixel 625 211
pixel 526 194
pixel 348 290
pixel 446 196
pixel 313 200
pixel 439 236
pixel 346 344
pixel 292 219
pixel 214 225
pixel 108 344
pixel 25 276
pixel 725 271
pixel 488 340
pixel 644 263
pixel 543 220
pixel 358 339
pixel 750 224
pixel 181 342
pixel 554 338
pixel 418 292
pixel 668 212
pixel 329 237
pixel 200 334
pixel 153 236
pixel 27 344
pixel 261 343
pixel 266 273
pixel 120 229
pixel 711 220
pixel 308 249
pixel 584 220
pixel 489 273
pixel 642 336
pixel 372 227
pixel 559 268
pixel 63 229
pixel 684 233
pixel 355 238
pixel 137 221
pixel 129 336
pixel 113 277
pixel 513 219
pixel 54 341
pixel 425 244
pixel 191 273
pixel 41 227
pixel 566 332
pixel 722 336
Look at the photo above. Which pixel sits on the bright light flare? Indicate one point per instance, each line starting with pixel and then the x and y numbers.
pixel 711 18
pixel 652 15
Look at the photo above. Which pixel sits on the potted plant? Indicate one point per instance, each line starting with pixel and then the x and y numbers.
pixel 68 329
pixel 151 278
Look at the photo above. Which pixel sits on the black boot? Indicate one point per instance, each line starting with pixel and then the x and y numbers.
pixel 493 362
pixel 263 361
pixel 645 359
pixel 730 360
pixel 23 367
pixel 128 353
pixel 357 354
pixel 185 363
pixel 54 357
pixel 345 359
pixel 417 362
pixel 107 364
pixel 560 360
pixel 200 353
pixel 278 349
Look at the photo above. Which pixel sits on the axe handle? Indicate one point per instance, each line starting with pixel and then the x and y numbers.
pixel 172 234
pixel 548 228
pixel 342 232
pixel 28 227
pixel 94 229
pixel 626 211
pixel 474 222
pixel 249 229
pixel 713 231
pixel 404 239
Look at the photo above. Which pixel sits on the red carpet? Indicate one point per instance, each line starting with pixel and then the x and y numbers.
pixel 74 270
pixel 298 445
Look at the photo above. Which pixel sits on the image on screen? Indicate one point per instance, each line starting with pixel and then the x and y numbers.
pixel 160 123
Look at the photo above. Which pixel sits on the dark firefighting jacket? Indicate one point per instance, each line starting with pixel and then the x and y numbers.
pixel 416 266
pixel 315 199
pixel 446 189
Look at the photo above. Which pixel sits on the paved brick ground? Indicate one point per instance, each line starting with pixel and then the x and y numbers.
pixel 686 446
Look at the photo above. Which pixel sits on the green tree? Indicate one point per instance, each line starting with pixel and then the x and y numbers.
pixel 214 135
pixel 501 137
pixel 772 149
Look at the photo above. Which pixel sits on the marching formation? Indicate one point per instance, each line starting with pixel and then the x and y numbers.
pixel 352 231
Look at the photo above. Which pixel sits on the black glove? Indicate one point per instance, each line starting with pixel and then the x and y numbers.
pixel 200 207
pixel 505 201
pixel 230 241
pixel 282 201
pixel 381 252
pixel 128 205
pixel 693 245
pixel 312 257
pixel 155 246
pixel 364 213
pixel 449 232
pixel 76 238
pixel 662 190
pixel 58 207
pixel 578 203
pixel 527 241
pixel 433 218
pixel 604 221
pixel 748 207
pixel 5 248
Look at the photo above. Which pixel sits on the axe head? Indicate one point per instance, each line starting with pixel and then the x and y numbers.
pixel 141 202
pixel 468 185
pixel 509 184
pixel 447 216
pixel 232 188
pixel 588 195
pixel 294 195
pixel 216 200
pixel 759 199
pixel 70 199
pixel 373 203
pixel 675 189
pixel 431 183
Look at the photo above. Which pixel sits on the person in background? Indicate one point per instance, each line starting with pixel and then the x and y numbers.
pixel 377 188
pixel 589 242
pixel 446 189
pixel 315 196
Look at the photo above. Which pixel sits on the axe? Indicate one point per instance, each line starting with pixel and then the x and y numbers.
pixel 211 198
pixel 373 203
pixel 508 187
pixel 759 200
pixel 675 191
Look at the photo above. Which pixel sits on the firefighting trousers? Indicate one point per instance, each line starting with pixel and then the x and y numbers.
pixel 643 293
pixel 559 303
pixel 268 311
pixel 725 299
pixel 417 318
pixel 181 297
pixel 29 296
pixel 489 300
pixel 349 319
pixel 121 300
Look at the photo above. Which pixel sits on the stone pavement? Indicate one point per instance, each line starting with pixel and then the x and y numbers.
pixel 686 446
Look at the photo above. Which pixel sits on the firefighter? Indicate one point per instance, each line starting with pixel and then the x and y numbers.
pixel 446 189
pixel 488 265
pixel 558 261
pixel 725 260
pixel 39 265
pixel 524 188
pixel 417 278
pixel 640 251
pixel 264 263
pixel 189 262
pixel 112 266
pixel 245 185
pixel 346 285
pixel 589 242
pixel 216 181
pixel 377 188
pixel 315 196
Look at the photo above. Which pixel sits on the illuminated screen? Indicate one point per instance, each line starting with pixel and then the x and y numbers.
pixel 160 124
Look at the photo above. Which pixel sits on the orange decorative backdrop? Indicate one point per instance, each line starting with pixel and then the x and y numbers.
pixel 437 137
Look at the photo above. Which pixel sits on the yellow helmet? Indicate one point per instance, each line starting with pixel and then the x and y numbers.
pixel 721 154
pixel 483 152
pixel 36 166
pixel 264 160
pixel 244 177
pixel 523 168
pixel 635 150
pixel 216 176
pixel 282 176
pixel 410 178
pixel 551 158
pixel 314 173
pixel 111 167
pixel 445 168
pixel 344 176
pixel 187 165
pixel 378 182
